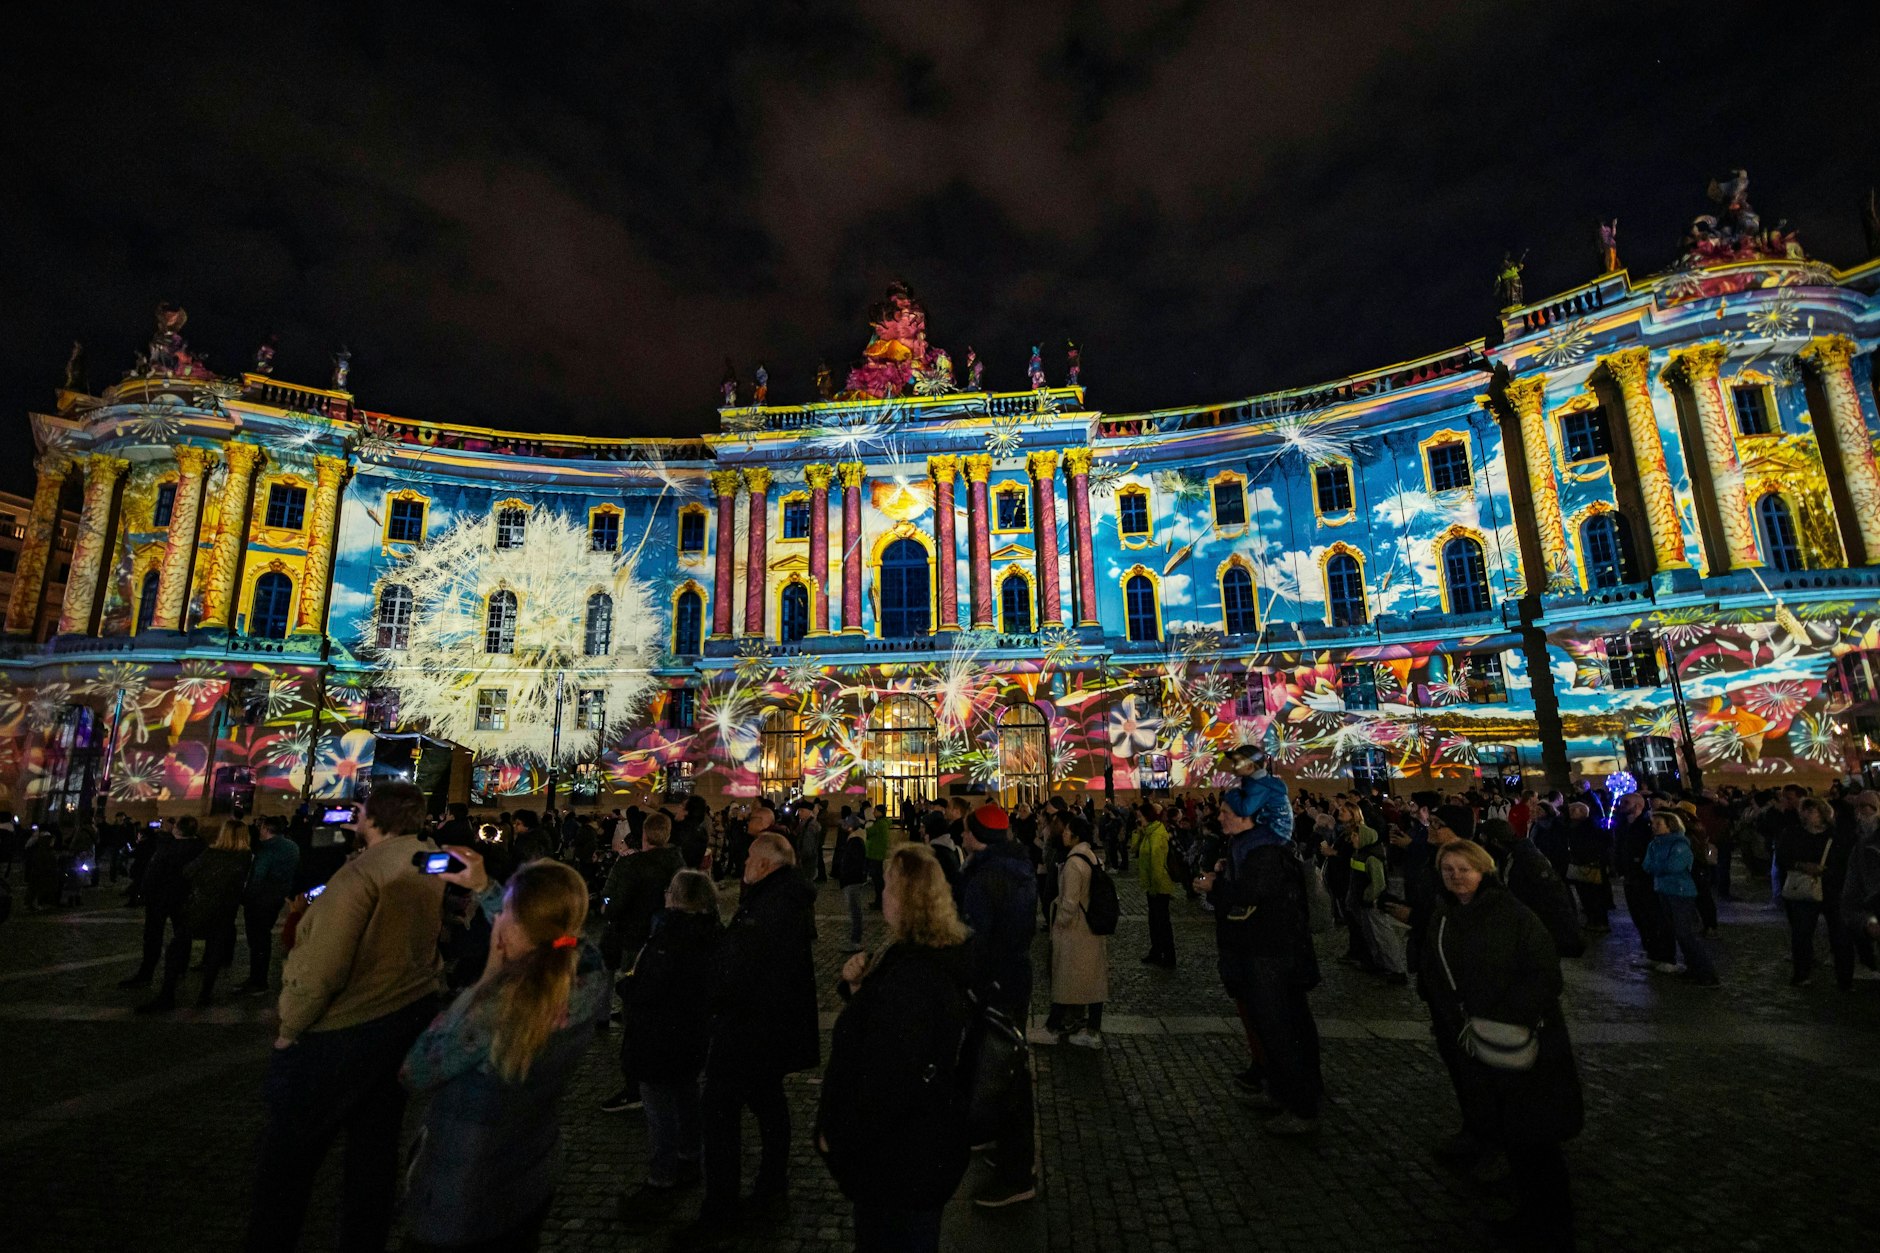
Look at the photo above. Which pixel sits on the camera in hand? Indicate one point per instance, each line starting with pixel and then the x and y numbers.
pixel 436 863
pixel 338 815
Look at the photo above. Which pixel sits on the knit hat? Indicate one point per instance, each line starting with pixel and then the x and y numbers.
pixel 991 818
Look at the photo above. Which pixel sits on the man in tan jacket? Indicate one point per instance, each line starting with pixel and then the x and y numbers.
pixel 360 985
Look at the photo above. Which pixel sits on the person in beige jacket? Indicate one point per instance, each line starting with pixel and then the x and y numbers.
pixel 1080 961
pixel 360 985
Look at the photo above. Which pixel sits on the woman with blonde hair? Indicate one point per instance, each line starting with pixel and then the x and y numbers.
pixel 1670 861
pixel 498 1060
pixel 892 1124
pixel 212 896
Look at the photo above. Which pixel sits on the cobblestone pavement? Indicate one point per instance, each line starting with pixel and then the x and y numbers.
pixel 1737 1119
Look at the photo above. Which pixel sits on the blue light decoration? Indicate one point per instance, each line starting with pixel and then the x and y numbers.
pixel 1618 783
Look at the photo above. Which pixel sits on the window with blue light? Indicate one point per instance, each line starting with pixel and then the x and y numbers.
pixel 1631 660
pixel 287 507
pixel 1237 602
pixel 793 613
pixel 274 595
pixel 147 600
pixel 404 521
pixel 1012 515
pixel 681 709
pixel 1015 605
pixel 1332 482
pixel 598 636
pixel 1230 503
pixel 688 618
pixel 1357 683
pixel 1782 546
pixel 1585 434
pixel 692 531
pixel 603 531
pixel 1606 542
pixel 1139 610
pixel 499 624
pixel 796 519
pixel 165 506
pixel 1132 514
pixel 905 583
pixel 1449 467
pixel 1751 402
pixel 1344 590
pixel 1465 574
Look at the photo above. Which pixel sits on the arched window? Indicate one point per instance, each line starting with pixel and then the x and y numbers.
pixel 1344 590
pixel 1782 548
pixel 793 615
pixel 1139 610
pixel 1237 605
pixel 1606 543
pixel 688 617
pixel 394 617
pixel 599 636
pixel 274 593
pixel 499 624
pixel 147 601
pixel 905 584
pixel 1465 574
pixel 1015 605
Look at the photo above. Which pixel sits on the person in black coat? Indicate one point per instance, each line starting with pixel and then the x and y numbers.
pixel 892 1123
pixel 1530 876
pixel 1589 865
pixel 1632 835
pixel 1489 957
pixel 668 997
pixel 763 1027
pixel 208 900
pixel 163 890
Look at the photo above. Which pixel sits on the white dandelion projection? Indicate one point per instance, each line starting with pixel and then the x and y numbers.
pixel 569 620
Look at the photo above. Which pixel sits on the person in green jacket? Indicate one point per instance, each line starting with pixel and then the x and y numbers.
pixel 879 834
pixel 1149 847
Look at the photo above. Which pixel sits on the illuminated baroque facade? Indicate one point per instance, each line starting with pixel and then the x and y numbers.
pixel 1640 526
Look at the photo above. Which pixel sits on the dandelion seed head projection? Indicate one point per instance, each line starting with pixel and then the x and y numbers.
pixel 448 666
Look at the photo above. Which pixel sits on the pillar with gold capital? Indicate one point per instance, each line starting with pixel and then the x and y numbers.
pixel 29 576
pixel 1077 470
pixel 1698 368
pixel 757 551
pixel 1042 466
pixel 329 475
pixel 978 471
pixel 225 553
pixel 1526 396
pixel 1832 356
pixel 179 550
pixel 851 473
pixel 1630 370
pixel 819 477
pixel 725 485
pixel 944 470
pixel 102 473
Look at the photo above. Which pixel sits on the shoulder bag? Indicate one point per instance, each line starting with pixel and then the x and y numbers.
pixel 1797 886
pixel 1497 1045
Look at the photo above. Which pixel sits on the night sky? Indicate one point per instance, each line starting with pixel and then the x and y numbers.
pixel 567 223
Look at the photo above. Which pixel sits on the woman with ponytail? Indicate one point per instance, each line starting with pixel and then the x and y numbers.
pixel 497 1061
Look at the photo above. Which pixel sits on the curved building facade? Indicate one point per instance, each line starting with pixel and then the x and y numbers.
pixel 1637 529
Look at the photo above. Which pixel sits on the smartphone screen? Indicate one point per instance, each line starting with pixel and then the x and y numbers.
pixel 336 814
pixel 315 890
pixel 440 863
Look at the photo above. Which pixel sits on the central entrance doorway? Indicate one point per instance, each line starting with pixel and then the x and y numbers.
pixel 903 755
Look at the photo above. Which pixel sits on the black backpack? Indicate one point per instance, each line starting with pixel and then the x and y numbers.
pixel 1103 910
pixel 994 1055
pixel 1176 864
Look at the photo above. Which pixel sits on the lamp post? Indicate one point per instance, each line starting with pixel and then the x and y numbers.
pixel 554 747
pixel 1692 769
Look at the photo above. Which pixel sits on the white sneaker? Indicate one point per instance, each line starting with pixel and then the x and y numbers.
pixel 1864 975
pixel 1087 1040
pixel 1667 968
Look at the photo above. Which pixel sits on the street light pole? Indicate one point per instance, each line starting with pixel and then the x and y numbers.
pixel 1693 771
pixel 554 750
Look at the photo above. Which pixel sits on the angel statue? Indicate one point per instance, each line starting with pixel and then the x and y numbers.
pixel 1076 359
pixel 1609 247
pixel 1508 290
pixel 75 369
pixel 825 381
pixel 264 354
pixel 760 390
pixel 728 390
pixel 975 371
pixel 1036 369
pixel 342 368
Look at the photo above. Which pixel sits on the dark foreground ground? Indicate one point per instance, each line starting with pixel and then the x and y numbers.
pixel 1745 1119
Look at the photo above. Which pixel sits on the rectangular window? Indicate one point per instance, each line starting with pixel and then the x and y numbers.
pixel 1132 513
pixel 1357 682
pixel 692 531
pixel 590 710
pixel 404 522
pixel 166 505
pixel 1449 467
pixel 1632 660
pixel 604 531
pixel 492 709
pixel 681 709
pixel 1333 484
pixel 1251 703
pixel 10 558
pixel 1585 435
pixel 1487 685
pixel 1230 503
pixel 1370 766
pixel 1012 516
pixel 511 526
pixel 796 519
pixel 287 507
pixel 1751 401
pixel 1852 678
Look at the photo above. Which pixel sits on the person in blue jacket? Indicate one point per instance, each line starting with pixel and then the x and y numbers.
pixel 1668 861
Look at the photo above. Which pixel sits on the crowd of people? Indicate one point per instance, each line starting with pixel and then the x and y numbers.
pixel 479 978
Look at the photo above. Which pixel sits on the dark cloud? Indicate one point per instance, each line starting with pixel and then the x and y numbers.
pixel 566 219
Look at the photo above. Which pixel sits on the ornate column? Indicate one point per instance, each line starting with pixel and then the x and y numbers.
pixel 1042 466
pixel 1832 357
pixel 42 525
pixel 1629 369
pixel 1077 469
pixel 328 474
pixel 1698 368
pixel 819 477
pixel 225 554
pixel 978 470
pixel 102 473
pixel 757 550
pixel 851 474
pixel 1526 397
pixel 725 484
pixel 943 471
pixel 179 550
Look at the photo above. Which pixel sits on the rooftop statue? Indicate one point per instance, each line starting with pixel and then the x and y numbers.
pixel 1609 247
pixel 1870 221
pixel 1509 292
pixel 760 391
pixel 1074 375
pixel 342 368
pixel 168 356
pixel 975 371
pixel 728 390
pixel 1735 232
pixel 897 348
pixel 825 381
pixel 1035 371
pixel 75 369
pixel 264 355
